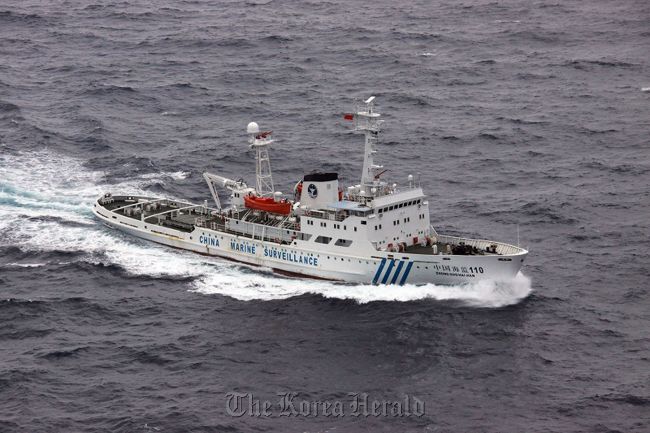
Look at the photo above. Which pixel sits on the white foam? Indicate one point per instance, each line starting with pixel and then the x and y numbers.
pixel 25 265
pixel 178 175
pixel 42 184
pixel 484 293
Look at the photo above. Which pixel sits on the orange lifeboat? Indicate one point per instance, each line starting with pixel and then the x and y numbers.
pixel 267 204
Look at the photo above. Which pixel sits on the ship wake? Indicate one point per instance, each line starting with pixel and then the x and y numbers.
pixel 257 286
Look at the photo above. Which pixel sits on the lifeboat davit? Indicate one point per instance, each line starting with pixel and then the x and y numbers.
pixel 268 204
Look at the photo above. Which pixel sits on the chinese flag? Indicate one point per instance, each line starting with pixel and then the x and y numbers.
pixel 348 116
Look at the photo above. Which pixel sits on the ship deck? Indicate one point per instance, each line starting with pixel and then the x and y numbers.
pixel 185 217
pixel 171 216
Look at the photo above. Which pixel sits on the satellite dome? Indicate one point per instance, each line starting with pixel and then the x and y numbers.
pixel 253 128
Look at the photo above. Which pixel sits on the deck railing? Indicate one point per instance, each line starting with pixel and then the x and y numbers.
pixel 481 244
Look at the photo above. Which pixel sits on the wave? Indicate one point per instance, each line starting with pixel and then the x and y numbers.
pixel 61 354
pixel 8 107
pixel 631 399
pixel 100 89
pixel 11 16
pixel 520 121
pixel 588 64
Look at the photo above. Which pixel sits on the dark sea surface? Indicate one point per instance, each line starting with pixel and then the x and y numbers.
pixel 511 113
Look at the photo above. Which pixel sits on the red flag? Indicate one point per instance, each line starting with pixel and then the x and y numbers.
pixel 348 116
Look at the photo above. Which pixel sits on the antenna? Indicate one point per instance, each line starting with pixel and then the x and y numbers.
pixel 367 121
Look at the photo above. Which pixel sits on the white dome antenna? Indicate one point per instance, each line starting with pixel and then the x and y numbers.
pixel 253 128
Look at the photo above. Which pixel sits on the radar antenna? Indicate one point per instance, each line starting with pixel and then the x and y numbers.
pixel 366 120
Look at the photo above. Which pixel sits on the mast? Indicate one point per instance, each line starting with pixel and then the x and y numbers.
pixel 367 121
pixel 260 141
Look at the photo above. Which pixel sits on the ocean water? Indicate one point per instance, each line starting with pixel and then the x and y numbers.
pixel 524 122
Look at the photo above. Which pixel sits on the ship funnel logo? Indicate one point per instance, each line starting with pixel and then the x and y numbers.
pixel 312 190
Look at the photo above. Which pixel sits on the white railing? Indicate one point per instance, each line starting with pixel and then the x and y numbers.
pixel 482 244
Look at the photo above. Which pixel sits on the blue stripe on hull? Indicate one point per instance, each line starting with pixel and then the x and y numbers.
pixel 378 273
pixel 399 269
pixel 406 273
pixel 390 268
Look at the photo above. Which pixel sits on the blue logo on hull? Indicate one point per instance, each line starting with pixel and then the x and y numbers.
pixel 396 275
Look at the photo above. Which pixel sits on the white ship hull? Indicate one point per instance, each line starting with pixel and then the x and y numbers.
pixel 366 267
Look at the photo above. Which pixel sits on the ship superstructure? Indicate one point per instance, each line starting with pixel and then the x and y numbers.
pixel 372 232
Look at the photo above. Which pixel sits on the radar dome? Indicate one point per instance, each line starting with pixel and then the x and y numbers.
pixel 253 128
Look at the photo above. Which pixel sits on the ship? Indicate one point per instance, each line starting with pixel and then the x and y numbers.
pixel 374 232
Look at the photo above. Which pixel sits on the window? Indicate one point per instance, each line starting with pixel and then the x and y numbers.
pixel 355 228
pixel 343 243
pixel 363 222
pixel 323 240
pixel 381 210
